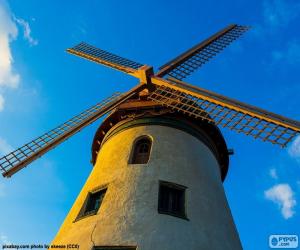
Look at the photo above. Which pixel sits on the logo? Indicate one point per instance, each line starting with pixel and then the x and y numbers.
pixel 283 241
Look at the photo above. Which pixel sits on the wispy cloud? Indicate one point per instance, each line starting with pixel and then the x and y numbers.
pixel 4 239
pixel 290 54
pixel 276 15
pixel 294 149
pixel 273 173
pixel 2 190
pixel 26 31
pixel 283 196
pixel 279 13
pixel 4 147
pixel 9 77
pixel 1 102
pixel 8 33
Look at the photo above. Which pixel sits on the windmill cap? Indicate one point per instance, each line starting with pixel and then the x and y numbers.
pixel 135 113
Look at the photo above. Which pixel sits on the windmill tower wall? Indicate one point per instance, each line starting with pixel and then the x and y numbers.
pixel 128 215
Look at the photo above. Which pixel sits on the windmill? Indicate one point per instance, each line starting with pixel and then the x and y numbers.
pixel 155 153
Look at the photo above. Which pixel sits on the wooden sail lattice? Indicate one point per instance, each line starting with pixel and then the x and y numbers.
pixel 106 58
pixel 22 156
pixel 165 88
pixel 230 115
pixel 185 64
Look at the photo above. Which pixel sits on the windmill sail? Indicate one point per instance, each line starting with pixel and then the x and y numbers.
pixel 186 63
pixel 20 158
pixel 171 92
pixel 108 59
pixel 223 111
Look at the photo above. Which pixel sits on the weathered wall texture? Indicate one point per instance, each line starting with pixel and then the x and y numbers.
pixel 128 214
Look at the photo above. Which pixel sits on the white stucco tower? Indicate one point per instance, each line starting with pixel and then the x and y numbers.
pixel 156 184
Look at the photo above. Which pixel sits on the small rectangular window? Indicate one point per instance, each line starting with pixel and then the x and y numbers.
pixel 92 203
pixel 171 199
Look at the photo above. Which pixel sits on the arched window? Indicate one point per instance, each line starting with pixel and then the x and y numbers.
pixel 141 151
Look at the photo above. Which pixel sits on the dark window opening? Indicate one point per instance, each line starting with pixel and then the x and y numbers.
pixel 171 199
pixel 141 151
pixel 92 203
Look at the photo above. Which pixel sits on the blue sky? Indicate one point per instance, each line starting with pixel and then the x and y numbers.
pixel 41 86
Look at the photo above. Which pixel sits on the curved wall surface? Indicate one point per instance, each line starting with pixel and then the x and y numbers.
pixel 129 215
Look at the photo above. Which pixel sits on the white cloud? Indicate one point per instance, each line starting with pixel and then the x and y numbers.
pixel 27 31
pixel 273 173
pixel 1 103
pixel 294 149
pixel 9 78
pixel 5 148
pixel 276 14
pixel 290 54
pixel 279 13
pixel 283 196
pixel 4 239
pixel 8 33
pixel 2 190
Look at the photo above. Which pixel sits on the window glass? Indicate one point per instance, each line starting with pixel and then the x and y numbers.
pixel 92 203
pixel 171 199
pixel 141 151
